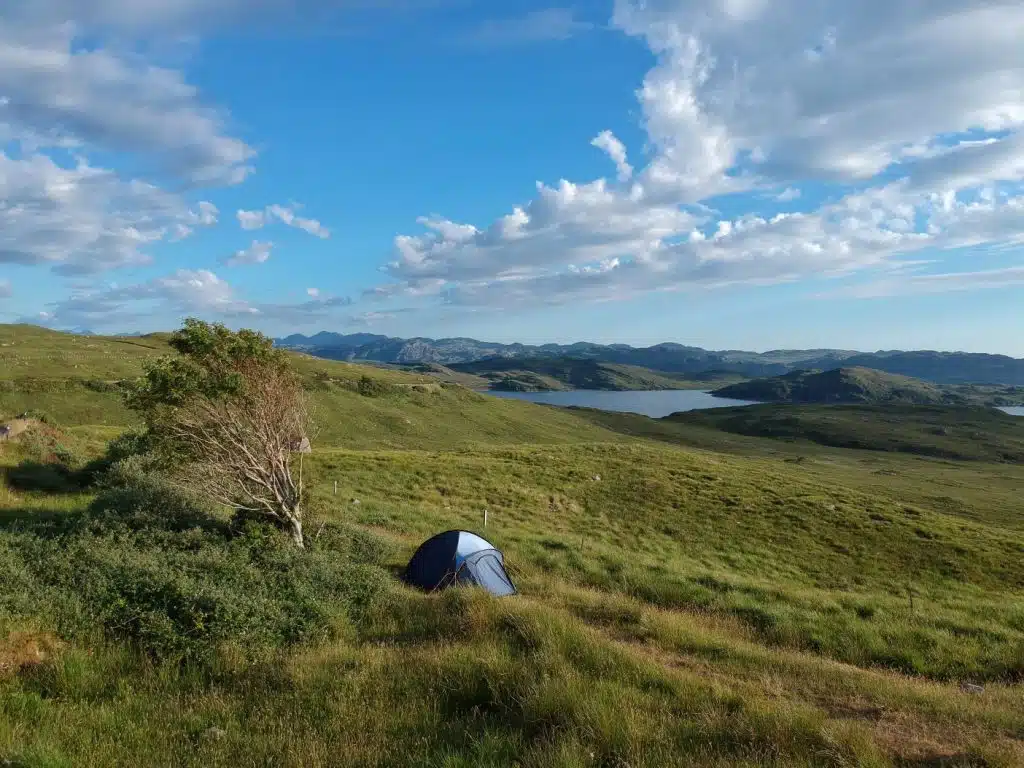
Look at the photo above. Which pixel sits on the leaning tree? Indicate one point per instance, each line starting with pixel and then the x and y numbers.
pixel 227 415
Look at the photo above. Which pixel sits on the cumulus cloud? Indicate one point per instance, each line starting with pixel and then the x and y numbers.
pixel 908 115
pixel 174 296
pixel 544 25
pixel 181 293
pixel 80 219
pixel 257 253
pixel 58 92
pixel 288 216
pixel 567 224
pixel 250 220
pixel 206 215
pixel 616 150
pixel 884 77
pixel 313 292
pixel 65 94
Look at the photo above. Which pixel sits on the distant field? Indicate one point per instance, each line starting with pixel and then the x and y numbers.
pixel 690 595
pixel 980 434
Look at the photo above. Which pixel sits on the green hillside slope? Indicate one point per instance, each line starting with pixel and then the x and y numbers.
pixel 979 434
pixel 688 596
pixel 841 385
pixel 361 406
pixel 560 373
pixel 865 385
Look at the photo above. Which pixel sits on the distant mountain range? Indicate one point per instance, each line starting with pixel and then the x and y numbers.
pixel 937 367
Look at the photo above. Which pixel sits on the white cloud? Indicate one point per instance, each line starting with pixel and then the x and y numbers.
pixel 288 216
pixel 182 16
pixel 888 75
pixel 65 92
pixel 1006 277
pixel 207 215
pixel 82 219
pixel 909 115
pixel 313 292
pixel 59 92
pixel 969 164
pixel 250 220
pixel 5 289
pixel 567 224
pixel 184 292
pixel 257 253
pixel 536 26
pixel 616 150
pixel 165 300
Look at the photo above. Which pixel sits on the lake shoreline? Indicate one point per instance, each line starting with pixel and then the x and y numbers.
pixel 655 404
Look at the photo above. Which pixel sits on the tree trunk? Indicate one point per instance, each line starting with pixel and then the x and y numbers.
pixel 295 528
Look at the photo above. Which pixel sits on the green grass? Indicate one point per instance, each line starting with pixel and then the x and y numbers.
pixel 562 373
pixel 978 434
pixel 689 596
pixel 869 386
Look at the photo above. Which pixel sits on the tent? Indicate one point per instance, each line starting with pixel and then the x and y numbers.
pixel 459 558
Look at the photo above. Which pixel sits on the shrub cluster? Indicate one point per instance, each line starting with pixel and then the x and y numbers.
pixel 150 565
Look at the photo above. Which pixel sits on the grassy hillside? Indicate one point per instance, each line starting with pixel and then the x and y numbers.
pixel 978 434
pixel 360 406
pixel 841 385
pixel 560 373
pixel 865 385
pixel 689 597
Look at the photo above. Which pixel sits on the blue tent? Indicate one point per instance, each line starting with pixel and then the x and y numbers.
pixel 456 559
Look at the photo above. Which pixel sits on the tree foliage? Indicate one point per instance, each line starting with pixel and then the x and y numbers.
pixel 226 415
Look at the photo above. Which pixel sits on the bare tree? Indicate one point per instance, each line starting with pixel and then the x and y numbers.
pixel 242 447
pixel 230 415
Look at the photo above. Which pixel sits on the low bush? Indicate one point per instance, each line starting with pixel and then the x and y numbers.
pixel 368 387
pixel 127 453
pixel 148 564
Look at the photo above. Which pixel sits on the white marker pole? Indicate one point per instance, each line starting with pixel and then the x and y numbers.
pixel 485 518
pixel 335 487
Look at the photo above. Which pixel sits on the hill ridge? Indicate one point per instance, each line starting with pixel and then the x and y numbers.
pixel 859 385
pixel 671 357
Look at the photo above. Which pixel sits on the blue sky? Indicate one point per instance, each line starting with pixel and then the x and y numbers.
pixel 724 173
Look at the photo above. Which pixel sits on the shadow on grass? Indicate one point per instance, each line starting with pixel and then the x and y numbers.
pixel 44 477
pixel 114 509
pixel 32 519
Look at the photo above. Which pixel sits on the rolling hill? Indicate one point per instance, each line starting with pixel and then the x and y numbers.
pixel 558 373
pixel 865 385
pixel 840 385
pixel 688 596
